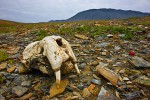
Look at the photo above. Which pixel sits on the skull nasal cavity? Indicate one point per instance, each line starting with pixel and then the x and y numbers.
pixel 59 42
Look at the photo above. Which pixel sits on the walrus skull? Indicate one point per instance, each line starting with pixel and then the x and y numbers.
pixel 56 49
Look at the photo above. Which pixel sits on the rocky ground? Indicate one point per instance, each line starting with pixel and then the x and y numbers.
pixel 127 63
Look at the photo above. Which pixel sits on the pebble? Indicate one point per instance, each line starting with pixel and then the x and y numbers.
pixel 19 90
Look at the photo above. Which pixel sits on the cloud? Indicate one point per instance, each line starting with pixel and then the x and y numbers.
pixel 45 10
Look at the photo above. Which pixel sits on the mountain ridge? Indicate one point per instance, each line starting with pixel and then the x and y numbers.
pixel 104 14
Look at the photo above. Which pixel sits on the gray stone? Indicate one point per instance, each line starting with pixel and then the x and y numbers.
pixel 19 91
pixel 95 81
pixel 19 79
pixel 26 83
pixel 103 44
pixel 4 89
pixel 121 35
pixel 117 48
pixel 139 62
pixel 82 65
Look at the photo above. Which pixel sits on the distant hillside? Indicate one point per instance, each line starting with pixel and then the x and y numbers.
pixel 102 14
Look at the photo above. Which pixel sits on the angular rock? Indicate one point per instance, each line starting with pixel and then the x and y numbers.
pixel 81 36
pixel 26 97
pixel 26 83
pixel 3 65
pixel 139 62
pixel 132 96
pixel 54 90
pixel 19 90
pixel 95 81
pixel 145 82
pixel 86 93
pixel 19 79
pixel 108 74
pixel 103 44
pixel 13 50
pixel 11 69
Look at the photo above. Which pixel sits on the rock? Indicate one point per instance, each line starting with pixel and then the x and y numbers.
pixel 139 62
pixel 74 97
pixel 125 78
pixel 13 50
pixel 3 65
pixel 21 69
pixel 104 53
pixel 26 83
pixel 82 65
pixel 11 69
pixel 97 82
pixel 81 37
pixel 132 96
pixel 103 93
pixel 54 90
pixel 19 90
pixel 108 74
pixel 103 44
pixel 117 48
pixel 86 93
pixel 91 88
pixel 109 35
pixel 19 79
pixel 121 35
pixel 145 82
pixel 26 97
pixel 81 86
pixel 1 97
pixel 4 89
pixel 76 94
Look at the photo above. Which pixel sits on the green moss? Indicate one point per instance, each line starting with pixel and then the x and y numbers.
pixel 3 55
pixel 41 34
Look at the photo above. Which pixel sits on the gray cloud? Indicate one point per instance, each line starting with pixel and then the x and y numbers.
pixel 45 10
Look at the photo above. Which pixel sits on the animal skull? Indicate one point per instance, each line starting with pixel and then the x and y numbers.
pixel 56 49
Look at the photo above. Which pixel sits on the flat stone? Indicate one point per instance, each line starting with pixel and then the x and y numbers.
pixel 81 36
pixel 3 65
pixel 86 92
pixel 54 90
pixel 26 83
pixel 19 90
pixel 125 78
pixel 19 79
pixel 95 81
pixel 13 50
pixel 103 44
pixel 11 69
pixel 139 62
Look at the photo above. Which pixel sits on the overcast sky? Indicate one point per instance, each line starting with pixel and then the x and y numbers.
pixel 46 10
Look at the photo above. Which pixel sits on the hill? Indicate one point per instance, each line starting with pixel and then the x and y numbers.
pixel 103 14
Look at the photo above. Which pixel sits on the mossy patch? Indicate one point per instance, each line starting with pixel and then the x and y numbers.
pixel 3 55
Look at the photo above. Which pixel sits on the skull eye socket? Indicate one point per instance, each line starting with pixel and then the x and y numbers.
pixel 59 42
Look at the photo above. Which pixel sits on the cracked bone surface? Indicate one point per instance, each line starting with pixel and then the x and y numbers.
pixel 56 51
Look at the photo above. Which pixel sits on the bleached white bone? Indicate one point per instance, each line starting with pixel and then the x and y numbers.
pixel 56 49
